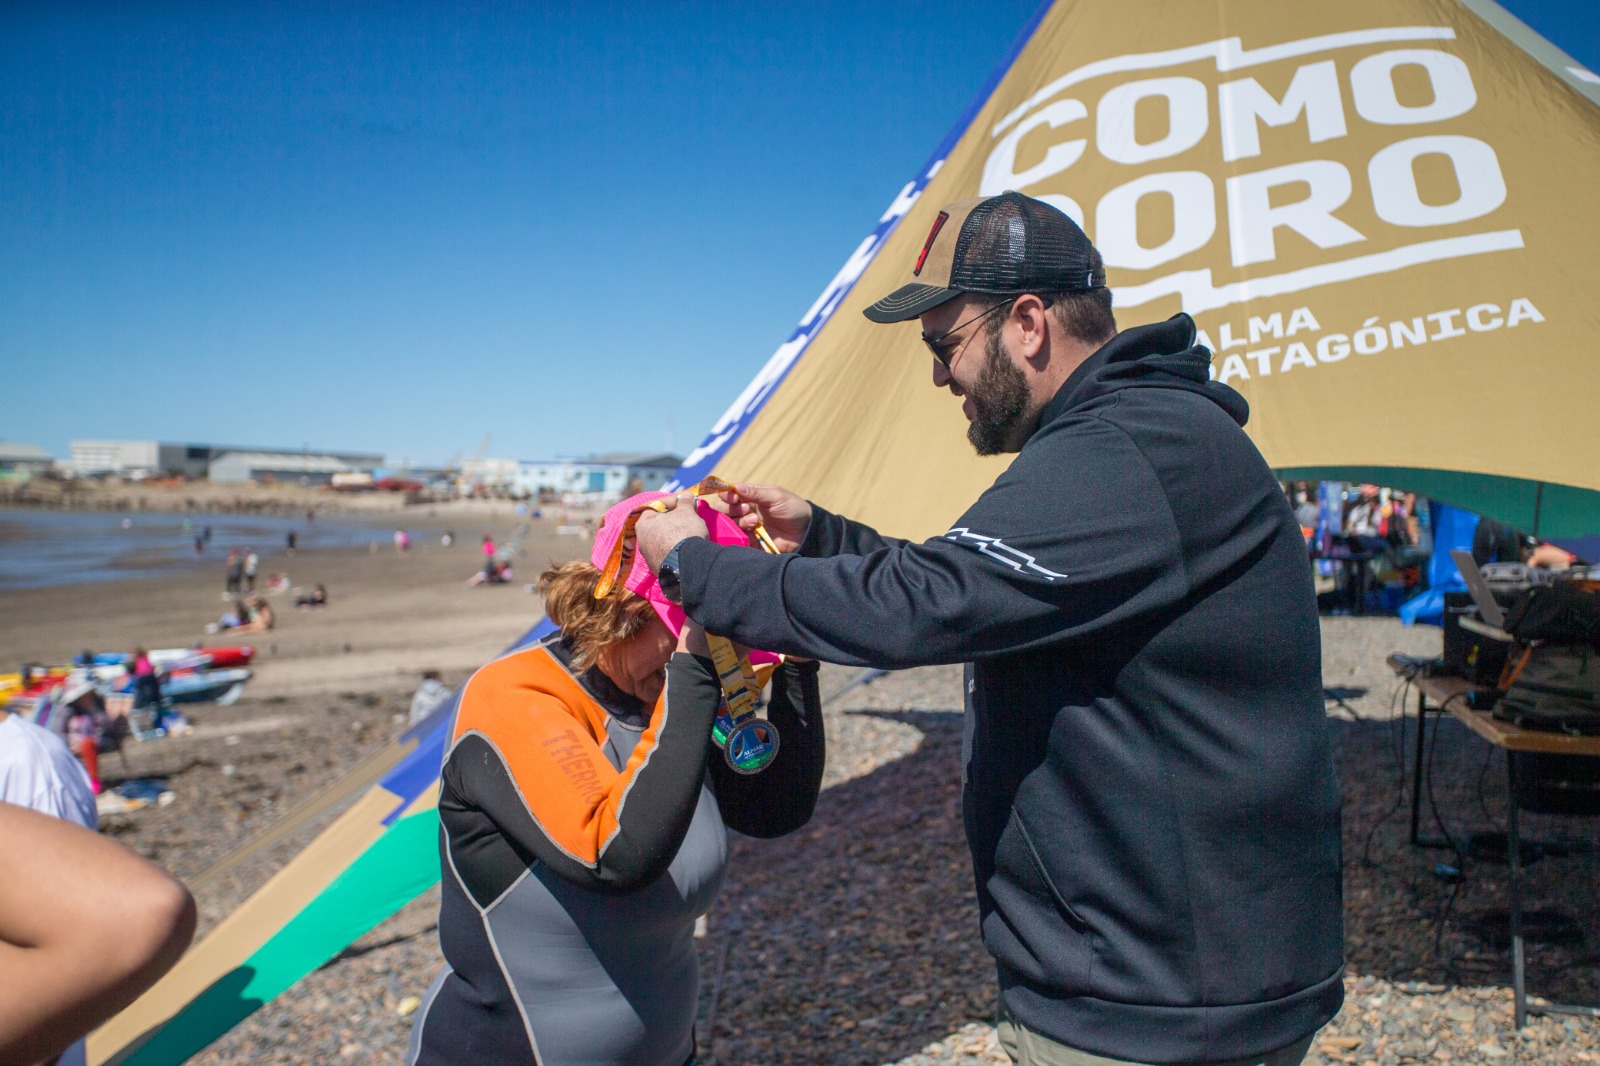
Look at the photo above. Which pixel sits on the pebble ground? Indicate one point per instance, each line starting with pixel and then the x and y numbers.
pixel 854 941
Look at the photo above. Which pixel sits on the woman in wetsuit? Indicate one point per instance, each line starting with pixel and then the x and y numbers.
pixel 583 812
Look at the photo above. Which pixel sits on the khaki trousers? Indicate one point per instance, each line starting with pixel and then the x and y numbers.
pixel 1030 1049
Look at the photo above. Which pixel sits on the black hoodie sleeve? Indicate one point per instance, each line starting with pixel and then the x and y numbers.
pixel 780 798
pixel 1075 537
pixel 830 534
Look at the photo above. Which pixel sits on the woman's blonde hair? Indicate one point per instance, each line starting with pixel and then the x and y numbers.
pixel 591 625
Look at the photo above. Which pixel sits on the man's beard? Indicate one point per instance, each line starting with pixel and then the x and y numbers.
pixel 1000 422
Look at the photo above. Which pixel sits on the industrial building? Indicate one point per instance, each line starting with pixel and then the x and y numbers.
pixel 612 474
pixel 139 458
pixel 296 467
pixel 20 461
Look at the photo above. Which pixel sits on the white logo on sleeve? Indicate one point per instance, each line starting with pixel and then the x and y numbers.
pixel 994 548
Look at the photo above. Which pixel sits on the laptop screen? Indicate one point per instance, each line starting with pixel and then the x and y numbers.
pixel 1488 606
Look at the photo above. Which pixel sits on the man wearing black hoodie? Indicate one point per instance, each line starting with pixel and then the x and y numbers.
pixel 1148 789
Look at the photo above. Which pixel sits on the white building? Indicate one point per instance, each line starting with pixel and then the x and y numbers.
pixel 494 476
pixel 115 457
pixel 611 475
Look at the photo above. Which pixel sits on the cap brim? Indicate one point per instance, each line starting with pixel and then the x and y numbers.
pixel 909 301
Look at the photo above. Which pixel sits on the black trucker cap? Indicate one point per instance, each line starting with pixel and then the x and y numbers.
pixel 1005 245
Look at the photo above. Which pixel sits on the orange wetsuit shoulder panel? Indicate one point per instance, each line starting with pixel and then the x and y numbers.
pixel 549 732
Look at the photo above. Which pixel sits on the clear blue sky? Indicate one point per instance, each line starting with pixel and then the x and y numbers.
pixel 581 227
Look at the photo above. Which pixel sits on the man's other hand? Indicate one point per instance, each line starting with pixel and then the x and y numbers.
pixel 657 533
pixel 786 515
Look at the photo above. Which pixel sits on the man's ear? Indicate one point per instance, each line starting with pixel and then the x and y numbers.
pixel 1029 313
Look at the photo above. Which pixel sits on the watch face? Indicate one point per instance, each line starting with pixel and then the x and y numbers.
pixel 667 577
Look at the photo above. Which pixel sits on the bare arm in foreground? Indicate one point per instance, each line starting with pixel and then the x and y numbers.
pixel 85 927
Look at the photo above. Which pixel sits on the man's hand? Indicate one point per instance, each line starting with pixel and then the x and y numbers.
pixel 657 533
pixel 786 516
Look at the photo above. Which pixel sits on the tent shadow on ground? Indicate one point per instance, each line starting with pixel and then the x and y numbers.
pixel 1393 899
pixel 855 940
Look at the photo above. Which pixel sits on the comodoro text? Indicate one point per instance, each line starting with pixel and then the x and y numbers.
pixel 1382 89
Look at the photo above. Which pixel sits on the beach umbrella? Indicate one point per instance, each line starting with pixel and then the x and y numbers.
pixel 1380 214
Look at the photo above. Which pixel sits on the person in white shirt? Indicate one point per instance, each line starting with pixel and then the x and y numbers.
pixel 38 771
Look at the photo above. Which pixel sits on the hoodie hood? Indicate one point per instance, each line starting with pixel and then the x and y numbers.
pixel 1162 355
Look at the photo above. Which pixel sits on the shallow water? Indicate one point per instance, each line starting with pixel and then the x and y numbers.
pixel 43 548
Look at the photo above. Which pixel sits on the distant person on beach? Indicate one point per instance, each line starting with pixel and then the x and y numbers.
pixel 84 717
pixel 231 618
pixel 488 557
pixel 584 829
pixel 235 574
pixel 429 695
pixel 1149 790
pixel 252 563
pixel 249 615
pixel 317 597
pixel 402 541
pixel 90 731
pixel 496 572
pixel 290 542
pixel 258 616
pixel 86 926
pixel 447 538
pixel 146 682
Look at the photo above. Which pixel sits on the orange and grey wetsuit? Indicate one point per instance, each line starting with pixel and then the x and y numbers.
pixel 582 833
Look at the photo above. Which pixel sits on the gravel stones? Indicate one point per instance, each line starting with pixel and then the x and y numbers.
pixel 855 941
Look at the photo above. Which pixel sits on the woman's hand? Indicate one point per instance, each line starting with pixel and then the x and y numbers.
pixel 786 515
pixel 692 639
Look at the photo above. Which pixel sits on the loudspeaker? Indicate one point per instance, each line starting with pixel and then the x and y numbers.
pixel 1473 656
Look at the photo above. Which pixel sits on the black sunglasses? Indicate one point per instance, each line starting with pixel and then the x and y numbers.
pixel 936 344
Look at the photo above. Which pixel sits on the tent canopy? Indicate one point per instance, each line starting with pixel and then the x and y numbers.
pixel 1377 213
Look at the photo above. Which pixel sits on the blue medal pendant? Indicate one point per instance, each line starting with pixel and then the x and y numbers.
pixel 751 746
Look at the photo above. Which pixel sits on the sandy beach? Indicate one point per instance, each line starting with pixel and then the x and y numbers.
pixel 852 941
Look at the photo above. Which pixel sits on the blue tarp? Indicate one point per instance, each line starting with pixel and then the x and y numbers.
pixel 1452 529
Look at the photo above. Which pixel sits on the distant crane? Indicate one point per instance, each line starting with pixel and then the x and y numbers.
pixel 469 469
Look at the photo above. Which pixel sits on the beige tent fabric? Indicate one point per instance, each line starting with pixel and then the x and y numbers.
pixel 244 931
pixel 1380 214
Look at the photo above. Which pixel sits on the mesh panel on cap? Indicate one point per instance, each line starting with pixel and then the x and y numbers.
pixel 1013 243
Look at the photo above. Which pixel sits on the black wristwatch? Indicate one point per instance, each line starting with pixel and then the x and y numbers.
pixel 667 575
